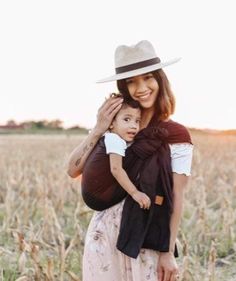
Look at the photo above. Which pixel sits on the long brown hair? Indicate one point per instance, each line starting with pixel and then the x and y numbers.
pixel 165 102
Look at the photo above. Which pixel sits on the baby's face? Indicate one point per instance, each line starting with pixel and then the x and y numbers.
pixel 126 123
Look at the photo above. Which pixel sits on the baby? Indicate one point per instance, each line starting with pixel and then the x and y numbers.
pixel 105 162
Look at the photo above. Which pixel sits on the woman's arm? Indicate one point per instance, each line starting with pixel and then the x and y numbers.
pixel 167 266
pixel 121 176
pixel 104 117
pixel 79 155
pixel 180 183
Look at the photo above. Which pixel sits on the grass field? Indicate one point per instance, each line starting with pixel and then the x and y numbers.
pixel 43 220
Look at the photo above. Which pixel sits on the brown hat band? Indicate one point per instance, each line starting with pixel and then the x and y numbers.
pixel 137 65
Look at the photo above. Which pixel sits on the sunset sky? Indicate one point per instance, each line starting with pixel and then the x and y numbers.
pixel 52 52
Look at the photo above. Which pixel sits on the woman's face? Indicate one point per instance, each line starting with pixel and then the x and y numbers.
pixel 144 89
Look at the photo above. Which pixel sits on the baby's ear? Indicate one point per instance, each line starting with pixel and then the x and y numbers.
pixel 111 127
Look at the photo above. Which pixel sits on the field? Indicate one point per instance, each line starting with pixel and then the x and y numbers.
pixel 43 219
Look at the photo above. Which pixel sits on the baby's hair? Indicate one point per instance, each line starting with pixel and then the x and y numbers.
pixel 130 103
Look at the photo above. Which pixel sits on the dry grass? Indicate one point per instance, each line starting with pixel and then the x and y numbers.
pixel 43 220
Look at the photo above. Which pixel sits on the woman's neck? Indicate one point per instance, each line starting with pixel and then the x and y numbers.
pixel 146 118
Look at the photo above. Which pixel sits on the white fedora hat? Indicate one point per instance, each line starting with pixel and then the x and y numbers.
pixel 136 60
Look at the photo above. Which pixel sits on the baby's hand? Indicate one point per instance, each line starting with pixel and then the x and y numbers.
pixel 142 199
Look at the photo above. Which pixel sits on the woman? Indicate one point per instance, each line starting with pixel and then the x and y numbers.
pixel 139 76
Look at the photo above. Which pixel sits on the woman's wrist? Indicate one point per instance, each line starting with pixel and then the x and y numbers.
pixel 171 250
pixel 97 132
pixel 169 253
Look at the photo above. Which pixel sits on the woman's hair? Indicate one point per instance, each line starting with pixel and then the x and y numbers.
pixel 165 101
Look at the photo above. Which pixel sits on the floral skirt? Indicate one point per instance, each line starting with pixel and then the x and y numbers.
pixel 103 262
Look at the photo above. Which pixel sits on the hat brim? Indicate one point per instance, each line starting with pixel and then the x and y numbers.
pixel 139 71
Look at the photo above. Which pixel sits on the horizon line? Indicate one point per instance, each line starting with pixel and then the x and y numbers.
pixel 89 128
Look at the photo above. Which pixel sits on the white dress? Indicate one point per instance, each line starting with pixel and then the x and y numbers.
pixel 101 260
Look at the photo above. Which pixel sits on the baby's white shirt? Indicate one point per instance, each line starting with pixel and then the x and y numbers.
pixel 114 144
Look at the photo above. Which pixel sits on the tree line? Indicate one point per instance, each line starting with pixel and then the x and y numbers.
pixel 55 124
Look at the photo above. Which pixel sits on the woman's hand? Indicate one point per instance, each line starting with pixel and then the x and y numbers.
pixel 106 113
pixel 167 268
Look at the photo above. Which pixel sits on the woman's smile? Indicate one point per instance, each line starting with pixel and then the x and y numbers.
pixel 144 96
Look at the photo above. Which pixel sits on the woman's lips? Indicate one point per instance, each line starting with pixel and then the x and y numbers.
pixel 144 97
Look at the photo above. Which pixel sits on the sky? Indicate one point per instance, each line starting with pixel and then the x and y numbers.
pixel 53 52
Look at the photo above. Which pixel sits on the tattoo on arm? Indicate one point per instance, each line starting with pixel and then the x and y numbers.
pixel 85 149
pixel 77 162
